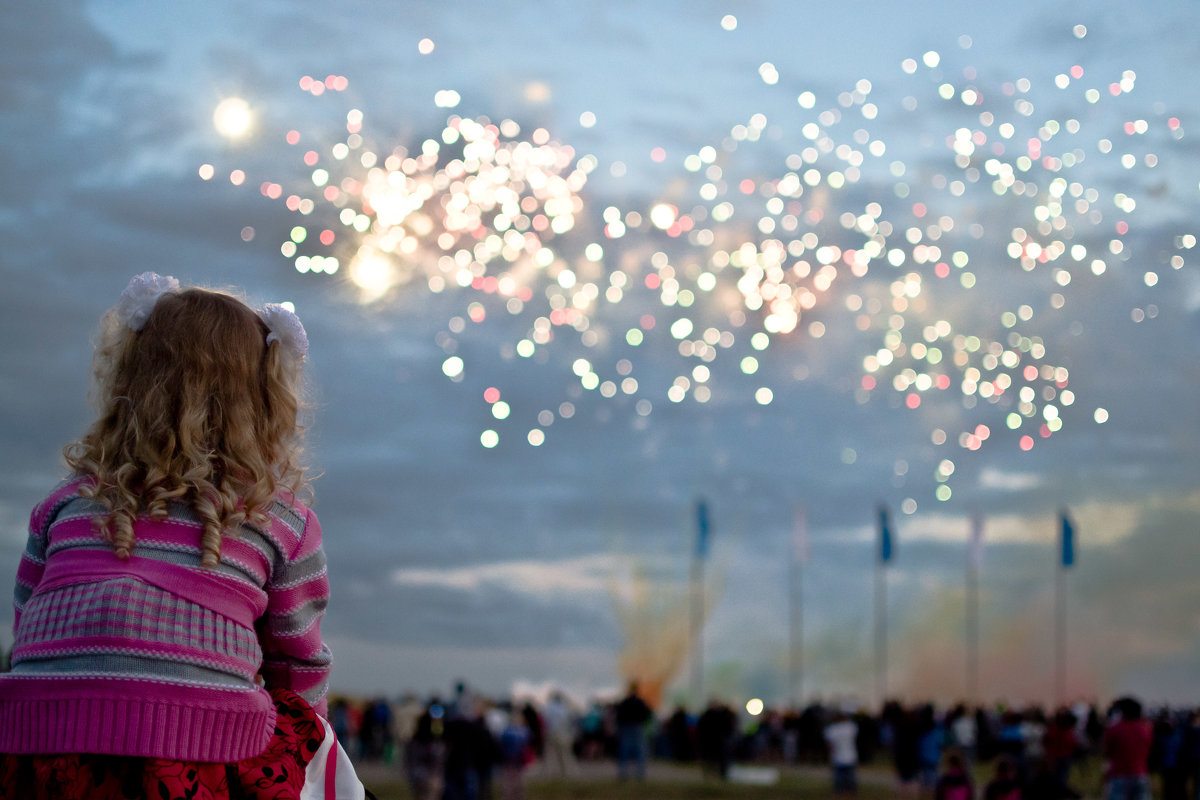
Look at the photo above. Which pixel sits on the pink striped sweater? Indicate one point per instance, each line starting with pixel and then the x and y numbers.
pixel 157 656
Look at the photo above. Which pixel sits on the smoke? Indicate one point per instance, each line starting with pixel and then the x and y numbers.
pixel 655 616
pixel 1017 654
pixel 1132 622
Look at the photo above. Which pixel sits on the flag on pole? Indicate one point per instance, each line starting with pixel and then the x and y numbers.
pixel 975 554
pixel 885 536
pixel 1068 539
pixel 800 536
pixel 702 530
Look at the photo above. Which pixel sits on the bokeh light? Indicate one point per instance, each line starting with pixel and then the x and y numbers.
pixel 871 229
pixel 233 118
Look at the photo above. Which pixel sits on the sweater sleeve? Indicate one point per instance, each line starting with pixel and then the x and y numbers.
pixel 33 560
pixel 294 654
pixel 33 563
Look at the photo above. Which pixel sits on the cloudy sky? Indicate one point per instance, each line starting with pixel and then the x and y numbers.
pixel 568 268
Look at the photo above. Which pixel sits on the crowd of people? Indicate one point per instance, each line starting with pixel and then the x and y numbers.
pixel 468 747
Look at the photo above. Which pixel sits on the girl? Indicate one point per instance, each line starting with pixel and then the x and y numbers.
pixel 168 603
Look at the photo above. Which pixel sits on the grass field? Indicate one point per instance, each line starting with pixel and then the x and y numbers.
pixel 792 787
pixel 669 782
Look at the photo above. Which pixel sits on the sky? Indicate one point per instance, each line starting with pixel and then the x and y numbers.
pixel 570 269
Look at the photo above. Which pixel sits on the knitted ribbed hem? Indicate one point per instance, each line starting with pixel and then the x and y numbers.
pixel 134 728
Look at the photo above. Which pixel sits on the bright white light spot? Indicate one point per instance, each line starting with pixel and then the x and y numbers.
pixel 681 328
pixel 663 216
pixel 373 274
pixel 452 367
pixel 233 118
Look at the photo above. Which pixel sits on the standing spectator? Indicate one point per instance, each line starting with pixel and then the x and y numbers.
pixel 962 731
pixel 841 735
pixel 1126 748
pixel 516 753
pixel 632 715
pixel 408 711
pixel 1191 751
pixel 342 724
pixel 1004 785
pixel 954 783
pixel 1059 744
pixel 905 737
pixel 424 759
pixel 930 739
pixel 559 726
pixel 376 732
pixel 1010 740
pixel 591 731
pixel 537 733
pixel 679 730
pixel 471 752
pixel 1167 755
pixel 1044 783
pixel 714 738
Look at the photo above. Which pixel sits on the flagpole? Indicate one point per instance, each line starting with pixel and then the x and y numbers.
pixel 697 632
pixel 974 560
pixel 883 556
pixel 796 609
pixel 1060 654
pixel 797 622
pixel 880 633
pixel 972 631
pixel 1065 561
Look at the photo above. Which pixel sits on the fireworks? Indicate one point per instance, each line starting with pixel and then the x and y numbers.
pixel 847 218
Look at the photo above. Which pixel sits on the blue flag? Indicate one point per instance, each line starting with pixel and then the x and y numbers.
pixel 702 530
pixel 885 536
pixel 1068 540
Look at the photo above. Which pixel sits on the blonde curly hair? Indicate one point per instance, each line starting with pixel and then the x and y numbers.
pixel 195 407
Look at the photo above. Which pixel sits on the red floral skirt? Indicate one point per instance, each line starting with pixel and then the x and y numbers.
pixel 275 774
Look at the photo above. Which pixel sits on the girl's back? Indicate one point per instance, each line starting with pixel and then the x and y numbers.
pixel 155 645
pixel 168 603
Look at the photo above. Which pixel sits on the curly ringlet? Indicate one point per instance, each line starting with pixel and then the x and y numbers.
pixel 195 407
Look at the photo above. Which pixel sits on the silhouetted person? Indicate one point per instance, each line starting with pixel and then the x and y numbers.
pixel 1060 744
pixel 559 725
pixel 1126 748
pixel 1044 783
pixel 841 736
pixel 714 737
pixel 954 783
pixel 632 714
pixel 1004 784
pixel 424 759
pixel 679 736
pixel 906 738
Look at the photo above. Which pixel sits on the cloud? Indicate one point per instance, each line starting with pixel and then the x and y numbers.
pixel 590 575
pixel 991 478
